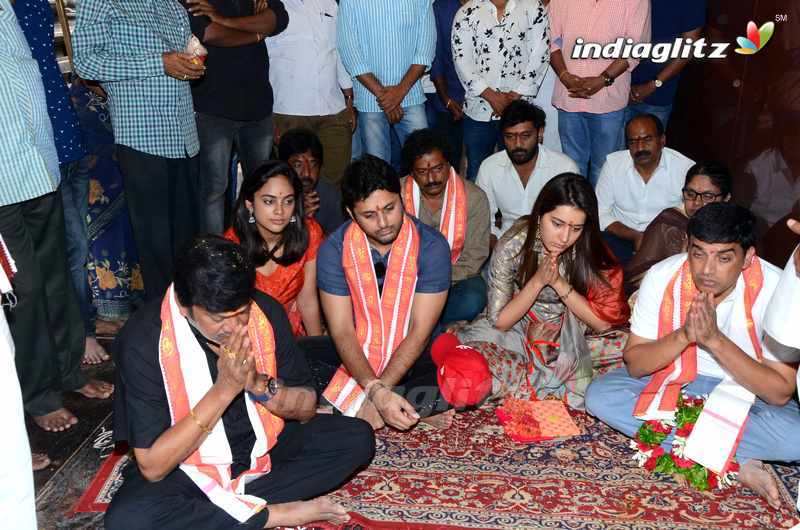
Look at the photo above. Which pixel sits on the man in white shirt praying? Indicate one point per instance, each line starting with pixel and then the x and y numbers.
pixel 311 87
pixel 698 323
pixel 513 178
pixel 501 51
pixel 637 184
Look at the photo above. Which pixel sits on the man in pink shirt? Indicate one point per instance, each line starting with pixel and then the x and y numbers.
pixel 592 93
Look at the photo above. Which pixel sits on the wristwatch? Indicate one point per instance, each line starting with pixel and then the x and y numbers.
pixel 658 82
pixel 607 79
pixel 272 389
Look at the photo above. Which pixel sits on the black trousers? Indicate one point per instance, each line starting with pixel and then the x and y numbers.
pixel 164 205
pixel 309 460
pixel 419 386
pixel 46 323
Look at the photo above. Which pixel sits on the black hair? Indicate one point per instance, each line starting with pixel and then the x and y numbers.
pixel 366 175
pixel 298 141
pixel 718 173
pixel 657 123
pixel 421 142
pixel 724 222
pixel 294 238
pixel 591 254
pixel 213 273
pixel 521 111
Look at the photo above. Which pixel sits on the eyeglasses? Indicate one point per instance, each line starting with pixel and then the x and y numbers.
pixel 690 195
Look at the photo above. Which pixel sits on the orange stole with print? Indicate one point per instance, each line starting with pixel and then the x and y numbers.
pixel 453 221
pixel 381 320
pixel 221 487
pixel 662 382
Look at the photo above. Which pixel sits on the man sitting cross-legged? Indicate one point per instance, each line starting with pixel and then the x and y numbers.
pixel 212 401
pixel 698 322
pixel 459 209
pixel 383 280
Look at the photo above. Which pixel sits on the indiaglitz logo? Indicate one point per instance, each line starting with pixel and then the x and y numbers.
pixel 756 38
pixel 683 48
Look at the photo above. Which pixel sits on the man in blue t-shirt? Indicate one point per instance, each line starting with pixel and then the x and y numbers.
pixel 654 85
pixel 371 196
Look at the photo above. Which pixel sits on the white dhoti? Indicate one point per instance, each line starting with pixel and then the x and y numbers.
pixel 16 475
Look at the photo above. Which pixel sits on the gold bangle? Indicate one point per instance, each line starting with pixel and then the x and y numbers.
pixel 564 71
pixel 202 427
pixel 565 296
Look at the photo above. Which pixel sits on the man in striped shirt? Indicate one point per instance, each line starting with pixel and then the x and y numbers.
pixel 591 94
pixel 135 49
pixel 387 45
pixel 46 324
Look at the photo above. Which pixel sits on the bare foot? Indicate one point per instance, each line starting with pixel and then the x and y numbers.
pixel 755 476
pixel 96 389
pixel 40 461
pixel 94 352
pixel 304 512
pixel 56 421
pixel 441 421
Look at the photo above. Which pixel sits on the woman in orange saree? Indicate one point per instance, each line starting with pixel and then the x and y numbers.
pixel 270 224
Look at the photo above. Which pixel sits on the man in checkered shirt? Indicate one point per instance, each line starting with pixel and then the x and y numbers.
pixel 135 49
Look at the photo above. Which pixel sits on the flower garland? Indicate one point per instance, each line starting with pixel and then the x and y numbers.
pixel 653 457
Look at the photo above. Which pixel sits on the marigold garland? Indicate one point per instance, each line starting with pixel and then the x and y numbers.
pixel 651 456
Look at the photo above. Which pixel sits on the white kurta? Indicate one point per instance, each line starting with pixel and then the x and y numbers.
pixel 16 475
pixel 783 315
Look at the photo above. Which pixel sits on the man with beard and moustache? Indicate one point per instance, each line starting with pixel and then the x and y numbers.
pixel 513 178
pixel 302 149
pixel 436 194
pixel 637 184
pixel 383 278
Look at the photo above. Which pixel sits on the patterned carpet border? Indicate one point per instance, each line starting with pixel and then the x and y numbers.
pixel 472 476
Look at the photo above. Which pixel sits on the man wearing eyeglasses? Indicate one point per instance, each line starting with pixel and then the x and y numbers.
pixel 439 197
pixel 636 184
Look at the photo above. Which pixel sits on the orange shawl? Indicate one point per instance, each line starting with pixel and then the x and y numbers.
pixel 453 221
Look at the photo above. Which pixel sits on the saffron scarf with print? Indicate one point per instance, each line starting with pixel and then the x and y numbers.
pixel 187 379
pixel 453 221
pixel 382 318
pixel 659 399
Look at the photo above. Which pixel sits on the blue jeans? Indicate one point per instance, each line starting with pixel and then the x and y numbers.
pixel 252 141
pixel 662 112
pixel 444 124
pixel 480 140
pixel 588 138
pixel 465 300
pixel 376 131
pixel 622 248
pixel 75 199
pixel 612 397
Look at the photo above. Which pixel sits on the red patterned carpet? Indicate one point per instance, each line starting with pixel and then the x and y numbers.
pixel 472 476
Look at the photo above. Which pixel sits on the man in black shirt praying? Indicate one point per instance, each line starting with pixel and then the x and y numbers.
pixel 212 396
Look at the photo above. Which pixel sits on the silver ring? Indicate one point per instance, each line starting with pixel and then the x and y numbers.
pixel 184 77
pixel 244 362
